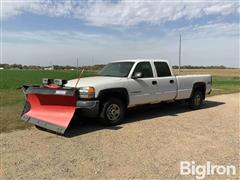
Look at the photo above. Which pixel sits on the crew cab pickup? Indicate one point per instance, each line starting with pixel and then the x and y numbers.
pixel 127 83
pixel 118 86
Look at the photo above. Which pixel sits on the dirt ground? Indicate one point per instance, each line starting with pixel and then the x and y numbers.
pixel 150 144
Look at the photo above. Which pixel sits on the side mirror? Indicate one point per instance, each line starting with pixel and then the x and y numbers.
pixel 137 75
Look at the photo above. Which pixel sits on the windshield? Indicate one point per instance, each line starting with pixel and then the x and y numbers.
pixel 117 69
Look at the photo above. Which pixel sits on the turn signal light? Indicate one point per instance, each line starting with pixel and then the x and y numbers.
pixel 87 92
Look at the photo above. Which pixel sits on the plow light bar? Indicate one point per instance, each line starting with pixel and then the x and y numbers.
pixel 59 82
pixel 47 81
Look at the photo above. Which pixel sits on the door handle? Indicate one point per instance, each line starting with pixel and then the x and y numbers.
pixel 154 82
pixel 171 81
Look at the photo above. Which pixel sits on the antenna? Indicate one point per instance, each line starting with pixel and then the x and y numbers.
pixel 180 48
pixel 80 75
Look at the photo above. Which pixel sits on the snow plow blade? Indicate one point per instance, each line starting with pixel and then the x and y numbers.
pixel 51 109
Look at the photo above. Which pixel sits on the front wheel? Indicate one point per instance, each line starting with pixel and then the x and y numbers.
pixel 195 102
pixel 113 111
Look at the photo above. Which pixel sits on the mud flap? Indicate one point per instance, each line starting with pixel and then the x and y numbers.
pixel 49 110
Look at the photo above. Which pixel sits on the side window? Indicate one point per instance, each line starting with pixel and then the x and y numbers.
pixel 145 68
pixel 162 69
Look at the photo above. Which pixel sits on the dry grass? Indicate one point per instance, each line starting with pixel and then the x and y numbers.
pixel 213 72
pixel 10 118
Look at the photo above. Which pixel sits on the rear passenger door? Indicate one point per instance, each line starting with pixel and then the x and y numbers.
pixel 167 85
pixel 143 90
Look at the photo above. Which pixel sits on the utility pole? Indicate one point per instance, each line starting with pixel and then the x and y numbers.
pixel 77 66
pixel 77 62
pixel 92 62
pixel 180 48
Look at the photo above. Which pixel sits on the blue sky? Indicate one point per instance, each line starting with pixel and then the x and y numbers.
pixel 58 32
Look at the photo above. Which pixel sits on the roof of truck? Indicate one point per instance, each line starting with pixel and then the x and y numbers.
pixel 140 60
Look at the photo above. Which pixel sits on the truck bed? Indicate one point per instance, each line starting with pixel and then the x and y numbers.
pixel 185 84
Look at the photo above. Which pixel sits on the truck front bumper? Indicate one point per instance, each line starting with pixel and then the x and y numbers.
pixel 89 108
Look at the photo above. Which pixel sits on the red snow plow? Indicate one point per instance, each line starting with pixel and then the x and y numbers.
pixel 49 106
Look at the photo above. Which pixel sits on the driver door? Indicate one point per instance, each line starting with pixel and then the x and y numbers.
pixel 142 90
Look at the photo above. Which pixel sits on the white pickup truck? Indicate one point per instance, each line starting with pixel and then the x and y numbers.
pixel 118 86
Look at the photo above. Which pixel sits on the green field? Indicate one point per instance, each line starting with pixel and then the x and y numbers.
pixel 12 98
pixel 225 85
pixel 12 79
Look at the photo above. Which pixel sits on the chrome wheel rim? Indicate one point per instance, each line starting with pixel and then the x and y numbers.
pixel 197 100
pixel 113 112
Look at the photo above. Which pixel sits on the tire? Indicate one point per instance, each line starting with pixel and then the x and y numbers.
pixel 195 102
pixel 112 112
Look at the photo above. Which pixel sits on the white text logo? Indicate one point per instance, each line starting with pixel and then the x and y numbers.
pixel 208 169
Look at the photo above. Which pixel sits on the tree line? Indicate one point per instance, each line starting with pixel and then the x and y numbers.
pixel 56 67
pixel 200 67
pixel 94 67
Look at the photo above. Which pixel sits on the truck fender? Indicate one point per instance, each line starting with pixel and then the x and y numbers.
pixel 120 93
pixel 201 86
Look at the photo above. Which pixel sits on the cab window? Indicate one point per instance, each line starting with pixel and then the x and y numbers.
pixel 162 69
pixel 145 68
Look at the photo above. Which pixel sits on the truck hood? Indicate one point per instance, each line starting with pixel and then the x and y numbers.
pixel 93 81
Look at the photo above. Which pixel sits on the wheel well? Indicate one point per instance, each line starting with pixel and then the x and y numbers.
pixel 200 86
pixel 120 93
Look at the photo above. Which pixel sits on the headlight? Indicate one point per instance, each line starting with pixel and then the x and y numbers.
pixel 87 92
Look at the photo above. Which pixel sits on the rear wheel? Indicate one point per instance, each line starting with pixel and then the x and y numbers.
pixel 113 111
pixel 195 102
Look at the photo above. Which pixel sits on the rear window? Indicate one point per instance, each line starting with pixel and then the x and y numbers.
pixel 162 69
